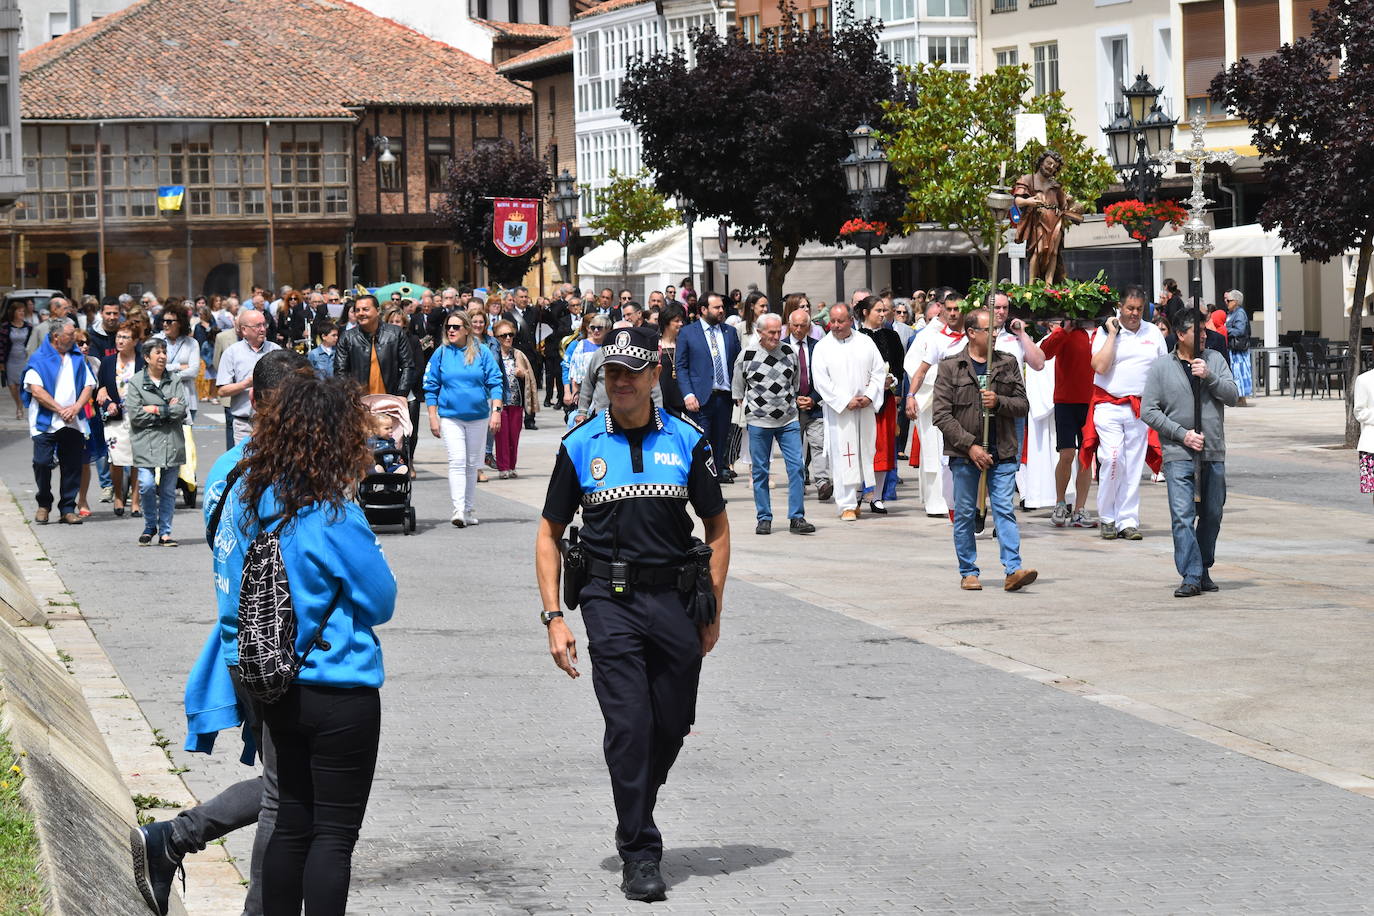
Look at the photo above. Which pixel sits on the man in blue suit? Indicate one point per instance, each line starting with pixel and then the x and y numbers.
pixel 706 354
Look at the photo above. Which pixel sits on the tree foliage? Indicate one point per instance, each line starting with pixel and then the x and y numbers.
pixel 630 210
pixel 754 134
pixel 500 169
pixel 1312 131
pixel 948 136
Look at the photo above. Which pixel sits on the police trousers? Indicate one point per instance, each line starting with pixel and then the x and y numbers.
pixel 646 661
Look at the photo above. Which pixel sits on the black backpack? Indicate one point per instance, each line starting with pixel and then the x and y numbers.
pixel 268 663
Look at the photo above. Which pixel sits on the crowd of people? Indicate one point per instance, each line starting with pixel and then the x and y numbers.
pixel 993 410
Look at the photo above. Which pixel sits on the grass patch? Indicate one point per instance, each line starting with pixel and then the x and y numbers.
pixel 21 885
pixel 142 802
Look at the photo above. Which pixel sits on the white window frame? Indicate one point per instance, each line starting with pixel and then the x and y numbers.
pixel 1045 67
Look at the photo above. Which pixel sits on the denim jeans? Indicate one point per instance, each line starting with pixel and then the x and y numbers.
pixel 1195 534
pixel 159 498
pixel 1001 483
pixel 760 456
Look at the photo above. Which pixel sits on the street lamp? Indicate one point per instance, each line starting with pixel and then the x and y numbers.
pixel 865 175
pixel 1136 135
pixel 998 201
pixel 689 216
pixel 565 209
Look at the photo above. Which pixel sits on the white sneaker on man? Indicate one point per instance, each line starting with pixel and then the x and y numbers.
pixel 1059 518
pixel 457 520
pixel 470 519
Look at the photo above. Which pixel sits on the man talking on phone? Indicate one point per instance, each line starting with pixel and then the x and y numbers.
pixel 650 593
pixel 1123 352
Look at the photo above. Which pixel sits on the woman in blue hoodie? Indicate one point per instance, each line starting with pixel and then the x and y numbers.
pixel 299 468
pixel 463 385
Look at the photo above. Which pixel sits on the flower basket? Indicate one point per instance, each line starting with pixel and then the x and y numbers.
pixel 1145 221
pixel 1075 299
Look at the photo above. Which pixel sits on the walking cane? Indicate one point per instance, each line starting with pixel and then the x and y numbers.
pixel 981 520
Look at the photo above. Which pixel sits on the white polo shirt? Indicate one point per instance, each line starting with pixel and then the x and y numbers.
pixel 930 346
pixel 1135 351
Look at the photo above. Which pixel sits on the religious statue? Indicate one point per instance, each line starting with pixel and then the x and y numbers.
pixel 1046 209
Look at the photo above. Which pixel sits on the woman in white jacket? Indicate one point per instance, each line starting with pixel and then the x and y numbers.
pixel 1364 412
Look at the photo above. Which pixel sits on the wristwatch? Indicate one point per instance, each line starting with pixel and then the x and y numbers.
pixel 546 617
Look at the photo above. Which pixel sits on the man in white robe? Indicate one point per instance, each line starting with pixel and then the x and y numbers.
pixel 944 338
pixel 1035 480
pixel 848 375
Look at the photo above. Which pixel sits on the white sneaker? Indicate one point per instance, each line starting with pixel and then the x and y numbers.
pixel 470 518
pixel 1059 518
pixel 457 520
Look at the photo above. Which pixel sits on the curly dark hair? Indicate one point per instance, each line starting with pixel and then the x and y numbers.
pixel 309 445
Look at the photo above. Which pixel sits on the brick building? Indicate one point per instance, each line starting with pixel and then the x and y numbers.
pixel 276 116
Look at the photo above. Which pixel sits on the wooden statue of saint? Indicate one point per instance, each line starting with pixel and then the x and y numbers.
pixel 1046 210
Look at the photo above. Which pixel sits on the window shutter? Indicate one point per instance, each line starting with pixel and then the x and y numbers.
pixel 1257 28
pixel 1204 45
pixel 1302 16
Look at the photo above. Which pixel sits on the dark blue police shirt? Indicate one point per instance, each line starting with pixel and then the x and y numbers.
pixel 633 487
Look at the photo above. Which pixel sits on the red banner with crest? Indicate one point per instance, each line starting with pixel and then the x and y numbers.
pixel 514 225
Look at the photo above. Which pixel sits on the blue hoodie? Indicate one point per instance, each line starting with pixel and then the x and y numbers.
pixel 462 391
pixel 326 552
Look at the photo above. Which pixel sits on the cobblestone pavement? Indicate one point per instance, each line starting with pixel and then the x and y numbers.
pixel 835 767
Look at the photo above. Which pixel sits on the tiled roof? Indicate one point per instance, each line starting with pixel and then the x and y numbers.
pixel 250 59
pixel 552 51
pixel 608 6
pixel 531 31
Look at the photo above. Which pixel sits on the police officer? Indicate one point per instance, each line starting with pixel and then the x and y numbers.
pixel 650 597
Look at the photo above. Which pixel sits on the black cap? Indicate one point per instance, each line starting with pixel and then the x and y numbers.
pixel 636 348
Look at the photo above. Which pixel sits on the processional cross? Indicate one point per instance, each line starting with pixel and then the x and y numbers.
pixel 1195 241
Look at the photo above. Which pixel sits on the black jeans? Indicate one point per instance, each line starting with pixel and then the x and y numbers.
pixel 326 743
pixel 553 375
pixel 64 449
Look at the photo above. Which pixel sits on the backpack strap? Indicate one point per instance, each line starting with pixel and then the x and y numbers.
pixel 318 638
pixel 230 479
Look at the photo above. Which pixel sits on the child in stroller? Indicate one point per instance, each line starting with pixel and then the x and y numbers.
pixel 385 490
pixel 389 455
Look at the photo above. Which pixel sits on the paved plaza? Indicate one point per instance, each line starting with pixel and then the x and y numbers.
pixel 869 739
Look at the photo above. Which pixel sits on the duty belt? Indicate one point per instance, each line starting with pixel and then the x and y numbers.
pixel 635 575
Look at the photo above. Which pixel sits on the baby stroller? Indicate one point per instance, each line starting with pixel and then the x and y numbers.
pixel 385 495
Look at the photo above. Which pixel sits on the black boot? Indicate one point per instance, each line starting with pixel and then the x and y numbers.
pixel 643 881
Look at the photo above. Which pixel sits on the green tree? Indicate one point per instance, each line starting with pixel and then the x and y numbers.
pixel 630 210
pixel 951 138
pixel 754 133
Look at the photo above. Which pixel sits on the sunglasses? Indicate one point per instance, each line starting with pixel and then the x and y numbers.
pixel 455 327
pixel 504 336
pixel 171 320
pixel 597 327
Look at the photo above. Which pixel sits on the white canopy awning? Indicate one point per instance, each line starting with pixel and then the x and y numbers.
pixel 662 253
pixel 1249 241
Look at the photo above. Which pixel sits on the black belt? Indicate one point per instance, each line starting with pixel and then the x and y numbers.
pixel 637 575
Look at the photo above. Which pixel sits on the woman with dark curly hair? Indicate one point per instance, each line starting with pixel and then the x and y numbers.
pixel 309 448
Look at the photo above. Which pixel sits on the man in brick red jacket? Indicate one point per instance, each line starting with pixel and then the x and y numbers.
pixel 1070 346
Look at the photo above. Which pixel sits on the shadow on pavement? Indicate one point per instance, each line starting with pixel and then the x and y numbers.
pixel 709 861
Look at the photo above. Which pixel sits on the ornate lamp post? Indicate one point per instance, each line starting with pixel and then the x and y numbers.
pixel 689 217
pixel 865 173
pixel 565 209
pixel 1136 137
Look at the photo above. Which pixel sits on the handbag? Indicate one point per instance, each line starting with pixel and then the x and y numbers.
pixel 1238 343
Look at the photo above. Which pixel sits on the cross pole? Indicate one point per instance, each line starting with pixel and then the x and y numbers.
pixel 1197 244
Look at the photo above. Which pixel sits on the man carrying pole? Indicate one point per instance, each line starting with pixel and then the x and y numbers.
pixel 1186 393
pixel 960 399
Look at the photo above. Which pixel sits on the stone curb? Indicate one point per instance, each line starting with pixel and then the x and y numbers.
pixel 130 755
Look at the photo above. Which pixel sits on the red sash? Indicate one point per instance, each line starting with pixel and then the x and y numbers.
pixel 1154 453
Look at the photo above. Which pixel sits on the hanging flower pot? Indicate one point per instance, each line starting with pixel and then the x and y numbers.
pixel 1144 222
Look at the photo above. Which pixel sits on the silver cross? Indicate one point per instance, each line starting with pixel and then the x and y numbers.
pixel 1197 156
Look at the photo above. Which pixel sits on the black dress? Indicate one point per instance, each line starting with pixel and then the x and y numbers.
pixel 667 381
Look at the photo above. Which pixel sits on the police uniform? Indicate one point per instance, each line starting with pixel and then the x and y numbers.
pixel 633 487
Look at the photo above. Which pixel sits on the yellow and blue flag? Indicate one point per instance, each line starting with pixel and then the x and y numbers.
pixel 169 196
